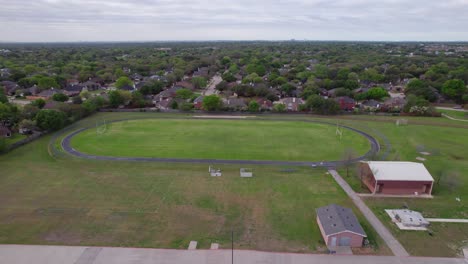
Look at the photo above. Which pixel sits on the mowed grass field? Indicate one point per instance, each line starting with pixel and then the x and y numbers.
pixel 447 141
pixel 66 200
pixel 71 201
pixel 221 139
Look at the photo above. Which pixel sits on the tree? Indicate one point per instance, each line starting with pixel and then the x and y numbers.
pixel 376 93
pixel 184 94
pixel 47 83
pixel 199 82
pixel 40 103
pixel 254 106
pixel 454 89
pixel 123 81
pixel 116 98
pixel 51 119
pixel 152 88
pixel 221 86
pixel 211 102
pixel 77 100
pixel 279 108
pixel 348 158
pixel 27 124
pixel 3 97
pixel 421 88
pixel 29 111
pixel 60 97
pixel 137 99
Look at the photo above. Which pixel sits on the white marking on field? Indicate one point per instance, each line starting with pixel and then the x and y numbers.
pixel 192 245
pixel 420 159
pixel 425 153
pixel 214 246
pixel 223 116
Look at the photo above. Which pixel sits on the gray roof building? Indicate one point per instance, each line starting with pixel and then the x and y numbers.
pixel 335 219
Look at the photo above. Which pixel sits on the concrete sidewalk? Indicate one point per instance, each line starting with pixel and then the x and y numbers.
pixel 22 254
pixel 447 220
pixel 390 240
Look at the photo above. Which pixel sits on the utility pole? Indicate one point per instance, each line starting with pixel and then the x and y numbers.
pixel 232 246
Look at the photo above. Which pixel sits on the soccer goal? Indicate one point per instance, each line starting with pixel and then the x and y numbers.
pixel 401 122
pixel 101 127
pixel 339 131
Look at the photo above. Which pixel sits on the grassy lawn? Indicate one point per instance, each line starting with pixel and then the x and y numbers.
pixel 15 138
pixel 220 139
pixel 454 113
pixel 448 145
pixel 81 202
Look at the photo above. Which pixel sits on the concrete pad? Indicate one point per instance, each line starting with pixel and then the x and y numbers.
pixel 420 158
pixel 341 250
pixel 401 226
pixel 447 220
pixel 192 245
pixel 425 153
pixel 214 246
pixel 465 252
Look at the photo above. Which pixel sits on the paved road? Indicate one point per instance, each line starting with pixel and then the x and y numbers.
pixel 211 88
pixel 25 254
pixel 66 145
pixel 390 240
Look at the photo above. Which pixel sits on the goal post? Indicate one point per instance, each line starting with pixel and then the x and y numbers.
pixel 101 127
pixel 339 131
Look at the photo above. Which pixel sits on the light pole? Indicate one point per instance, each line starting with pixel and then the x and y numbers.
pixel 232 246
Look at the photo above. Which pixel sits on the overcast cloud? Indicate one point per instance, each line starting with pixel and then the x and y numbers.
pixel 152 20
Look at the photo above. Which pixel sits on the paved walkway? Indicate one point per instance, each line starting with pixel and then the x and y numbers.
pixel 378 195
pixel 446 220
pixel 453 118
pixel 392 242
pixel 25 254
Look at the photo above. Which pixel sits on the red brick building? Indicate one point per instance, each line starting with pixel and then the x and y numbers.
pixel 398 178
pixel 339 226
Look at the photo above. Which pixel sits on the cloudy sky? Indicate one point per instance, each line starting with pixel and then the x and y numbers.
pixel 152 20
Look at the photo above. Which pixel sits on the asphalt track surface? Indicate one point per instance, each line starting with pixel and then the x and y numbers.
pixel 375 147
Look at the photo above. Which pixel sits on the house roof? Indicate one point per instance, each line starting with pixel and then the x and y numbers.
pixel 4 130
pixel 399 171
pixel 336 219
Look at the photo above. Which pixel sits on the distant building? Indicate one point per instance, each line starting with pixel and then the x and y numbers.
pixel 396 177
pixel 339 226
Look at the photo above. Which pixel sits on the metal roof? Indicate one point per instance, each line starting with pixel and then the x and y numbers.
pixel 399 171
pixel 336 219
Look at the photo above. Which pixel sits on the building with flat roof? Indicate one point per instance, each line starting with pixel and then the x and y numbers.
pixel 396 177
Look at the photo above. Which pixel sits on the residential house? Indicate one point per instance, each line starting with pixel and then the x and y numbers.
pixel 265 104
pixel 185 84
pixel 47 94
pixel 235 103
pixel 371 105
pixel 291 103
pixel 91 85
pixel 339 227
pixel 164 104
pixel 127 88
pixel 198 102
pixel 201 72
pixel 166 94
pixel 5 131
pixel 10 87
pixel 394 104
pixel 73 90
pixel 5 72
pixel 346 103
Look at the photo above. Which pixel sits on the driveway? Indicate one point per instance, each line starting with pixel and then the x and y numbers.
pixel 211 88
pixel 390 240
pixel 26 254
